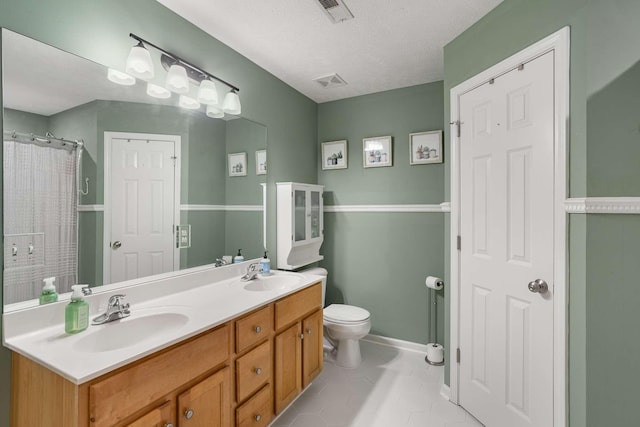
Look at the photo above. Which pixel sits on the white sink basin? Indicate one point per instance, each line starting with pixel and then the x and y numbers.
pixel 276 282
pixel 129 331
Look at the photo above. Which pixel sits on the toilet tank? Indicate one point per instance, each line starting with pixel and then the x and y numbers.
pixel 319 272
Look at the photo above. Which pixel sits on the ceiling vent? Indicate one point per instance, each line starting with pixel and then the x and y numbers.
pixel 333 80
pixel 336 10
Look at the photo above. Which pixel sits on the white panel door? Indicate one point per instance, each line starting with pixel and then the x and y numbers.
pixel 142 208
pixel 506 223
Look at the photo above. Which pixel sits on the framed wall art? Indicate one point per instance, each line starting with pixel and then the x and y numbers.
pixel 425 147
pixel 334 155
pixel 237 164
pixel 377 152
pixel 261 162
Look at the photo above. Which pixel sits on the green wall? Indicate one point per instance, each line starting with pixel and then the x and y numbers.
pixel 604 137
pixel 25 122
pixel 379 260
pixel 99 31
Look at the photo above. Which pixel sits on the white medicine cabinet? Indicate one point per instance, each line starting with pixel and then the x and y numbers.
pixel 300 224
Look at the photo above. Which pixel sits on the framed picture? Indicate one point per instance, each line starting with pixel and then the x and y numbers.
pixel 261 162
pixel 425 147
pixel 377 152
pixel 237 164
pixel 334 155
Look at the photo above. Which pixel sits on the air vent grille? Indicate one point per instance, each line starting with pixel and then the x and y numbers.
pixel 336 10
pixel 328 4
pixel 330 81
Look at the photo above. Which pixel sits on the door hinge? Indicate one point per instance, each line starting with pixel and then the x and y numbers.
pixel 457 355
pixel 458 124
pixel 459 243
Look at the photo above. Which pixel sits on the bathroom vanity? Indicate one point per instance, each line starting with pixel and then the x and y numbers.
pixel 215 368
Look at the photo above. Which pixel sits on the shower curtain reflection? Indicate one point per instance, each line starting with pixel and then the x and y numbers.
pixel 40 226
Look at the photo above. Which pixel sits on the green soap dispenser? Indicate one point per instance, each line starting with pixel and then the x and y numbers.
pixel 76 314
pixel 48 291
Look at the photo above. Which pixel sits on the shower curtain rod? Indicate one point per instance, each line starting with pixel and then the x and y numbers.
pixel 47 139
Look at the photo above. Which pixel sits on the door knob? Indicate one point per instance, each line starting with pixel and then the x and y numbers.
pixel 538 286
pixel 116 245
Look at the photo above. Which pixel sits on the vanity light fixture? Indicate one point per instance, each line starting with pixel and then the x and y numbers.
pixel 177 80
pixel 214 112
pixel 158 91
pixel 207 93
pixel 120 78
pixel 181 74
pixel 231 104
pixel 188 103
pixel 139 63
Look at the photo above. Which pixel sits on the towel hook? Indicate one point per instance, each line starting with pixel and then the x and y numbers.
pixel 86 186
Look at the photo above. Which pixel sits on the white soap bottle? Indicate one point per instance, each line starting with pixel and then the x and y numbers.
pixel 239 257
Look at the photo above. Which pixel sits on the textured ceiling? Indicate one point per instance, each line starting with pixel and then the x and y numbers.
pixel 388 45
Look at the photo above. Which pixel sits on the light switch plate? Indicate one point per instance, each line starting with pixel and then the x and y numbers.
pixel 183 236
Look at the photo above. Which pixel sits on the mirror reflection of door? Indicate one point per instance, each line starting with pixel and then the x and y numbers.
pixel 141 205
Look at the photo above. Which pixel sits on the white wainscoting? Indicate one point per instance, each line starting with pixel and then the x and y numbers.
pixel 603 205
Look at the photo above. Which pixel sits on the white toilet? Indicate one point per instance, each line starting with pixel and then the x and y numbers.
pixel 344 326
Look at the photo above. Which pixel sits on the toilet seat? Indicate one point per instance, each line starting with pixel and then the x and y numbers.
pixel 344 314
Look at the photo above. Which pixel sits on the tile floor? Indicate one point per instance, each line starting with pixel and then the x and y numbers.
pixel 392 388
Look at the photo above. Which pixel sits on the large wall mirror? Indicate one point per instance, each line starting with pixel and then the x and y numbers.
pixel 152 188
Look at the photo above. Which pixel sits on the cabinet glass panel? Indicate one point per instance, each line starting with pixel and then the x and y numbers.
pixel 315 214
pixel 299 215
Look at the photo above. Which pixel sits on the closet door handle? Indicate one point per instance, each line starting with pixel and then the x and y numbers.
pixel 116 245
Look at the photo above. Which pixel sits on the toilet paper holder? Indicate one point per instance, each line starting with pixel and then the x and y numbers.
pixel 435 352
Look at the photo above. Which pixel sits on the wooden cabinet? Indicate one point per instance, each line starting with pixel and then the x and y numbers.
pixel 298 344
pixel 241 373
pixel 207 403
pixel 299 210
pixel 157 417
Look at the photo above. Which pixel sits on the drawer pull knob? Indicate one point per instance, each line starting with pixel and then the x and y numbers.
pixel 258 329
pixel 309 331
pixel 258 371
pixel 258 417
pixel 168 425
pixel 188 414
pixel 301 336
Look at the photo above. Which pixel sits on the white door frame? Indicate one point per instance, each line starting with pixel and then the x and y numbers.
pixel 558 42
pixel 108 137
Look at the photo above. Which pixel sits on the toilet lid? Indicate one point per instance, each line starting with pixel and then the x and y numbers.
pixel 345 313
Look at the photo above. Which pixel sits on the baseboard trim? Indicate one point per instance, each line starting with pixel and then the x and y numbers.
pixel 393 342
pixel 90 208
pixel 445 391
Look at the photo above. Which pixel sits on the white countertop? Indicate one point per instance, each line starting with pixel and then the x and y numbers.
pixel 208 298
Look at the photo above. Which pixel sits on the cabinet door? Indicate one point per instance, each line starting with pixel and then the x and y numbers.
pixel 159 417
pixel 207 403
pixel 288 354
pixel 299 215
pixel 311 347
pixel 315 214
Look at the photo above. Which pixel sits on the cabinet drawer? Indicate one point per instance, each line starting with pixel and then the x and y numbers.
pixel 118 396
pixel 158 417
pixel 254 328
pixel 258 411
pixel 253 370
pixel 297 305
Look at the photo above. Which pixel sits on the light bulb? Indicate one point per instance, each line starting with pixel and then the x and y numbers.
pixel 207 93
pixel 214 112
pixel 157 91
pixel 120 78
pixel 139 63
pixel 177 80
pixel 188 103
pixel 231 104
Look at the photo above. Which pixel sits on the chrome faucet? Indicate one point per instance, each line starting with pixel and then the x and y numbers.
pixel 220 262
pixel 116 309
pixel 252 272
